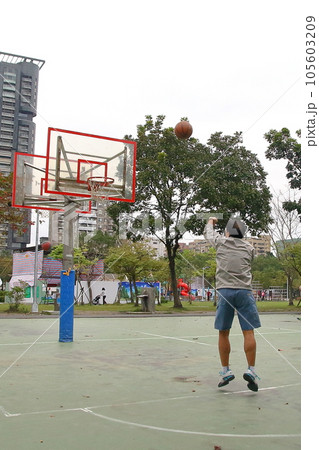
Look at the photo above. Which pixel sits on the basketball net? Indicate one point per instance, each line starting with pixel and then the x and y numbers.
pixel 98 187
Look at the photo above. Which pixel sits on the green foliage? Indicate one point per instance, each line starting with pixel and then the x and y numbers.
pixel 5 266
pixel 269 271
pixel 134 260
pixel 290 257
pixel 82 264
pixel 283 146
pixel 98 245
pixel 16 218
pixel 178 178
pixel 16 295
pixel 234 181
pixel 190 264
pixel 2 296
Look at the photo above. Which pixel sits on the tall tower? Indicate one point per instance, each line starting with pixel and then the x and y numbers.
pixel 18 102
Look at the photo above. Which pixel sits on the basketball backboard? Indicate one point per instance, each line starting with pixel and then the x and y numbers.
pixel 73 158
pixel 29 186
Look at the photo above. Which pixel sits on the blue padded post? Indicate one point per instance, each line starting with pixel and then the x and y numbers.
pixel 67 305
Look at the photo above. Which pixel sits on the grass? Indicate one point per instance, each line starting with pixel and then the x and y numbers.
pixel 166 308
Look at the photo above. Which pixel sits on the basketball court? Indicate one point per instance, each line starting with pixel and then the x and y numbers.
pixel 146 383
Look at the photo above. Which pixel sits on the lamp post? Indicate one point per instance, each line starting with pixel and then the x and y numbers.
pixel 35 307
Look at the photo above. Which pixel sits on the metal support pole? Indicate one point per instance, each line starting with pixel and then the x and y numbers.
pixel 68 234
pixel 35 306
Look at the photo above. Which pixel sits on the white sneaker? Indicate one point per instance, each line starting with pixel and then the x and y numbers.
pixel 251 376
pixel 226 377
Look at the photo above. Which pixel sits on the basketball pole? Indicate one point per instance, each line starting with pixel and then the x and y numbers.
pixel 35 306
pixel 67 306
pixel 67 274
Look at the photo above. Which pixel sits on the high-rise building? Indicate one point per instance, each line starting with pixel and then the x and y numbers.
pixel 87 223
pixel 19 77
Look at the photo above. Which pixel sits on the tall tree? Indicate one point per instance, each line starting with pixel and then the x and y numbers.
pixel 234 181
pixel 16 218
pixel 134 260
pixel 178 179
pixel 98 245
pixel 285 234
pixel 268 270
pixel 283 146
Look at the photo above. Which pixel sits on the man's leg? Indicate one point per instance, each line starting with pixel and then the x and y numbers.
pixel 250 346
pixel 224 347
pixel 224 351
pixel 250 351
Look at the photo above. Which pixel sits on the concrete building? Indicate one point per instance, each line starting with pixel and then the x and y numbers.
pixel 87 223
pixel 262 245
pixel 19 77
pixel 156 245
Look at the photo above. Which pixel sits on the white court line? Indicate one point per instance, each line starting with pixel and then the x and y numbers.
pixel 151 427
pixel 150 338
pixel 144 402
pixel 198 433
pixel 263 389
pixel 88 410
pixel 83 340
pixel 193 341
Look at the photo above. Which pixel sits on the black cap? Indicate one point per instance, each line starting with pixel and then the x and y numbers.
pixel 236 228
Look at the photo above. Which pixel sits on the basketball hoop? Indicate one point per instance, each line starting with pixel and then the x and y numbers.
pixel 98 188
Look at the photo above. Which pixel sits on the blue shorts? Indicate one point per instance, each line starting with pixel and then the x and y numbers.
pixel 241 300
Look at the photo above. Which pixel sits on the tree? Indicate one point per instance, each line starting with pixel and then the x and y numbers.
pixel 177 179
pixel 285 235
pixel 234 181
pixel 283 146
pixel 16 218
pixel 6 261
pixel 268 270
pixel 134 260
pixel 97 246
pixel 16 296
pixel 82 265
pixel 191 264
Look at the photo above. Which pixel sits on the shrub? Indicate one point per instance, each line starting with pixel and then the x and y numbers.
pixel 16 295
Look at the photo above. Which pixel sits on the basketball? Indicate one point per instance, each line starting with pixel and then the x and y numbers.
pixel 183 130
pixel 46 246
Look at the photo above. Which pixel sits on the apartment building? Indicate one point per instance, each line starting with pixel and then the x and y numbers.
pixel 19 77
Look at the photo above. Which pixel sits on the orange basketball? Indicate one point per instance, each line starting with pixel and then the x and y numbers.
pixel 183 130
pixel 46 246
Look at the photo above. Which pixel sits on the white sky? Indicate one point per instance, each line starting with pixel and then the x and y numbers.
pixel 227 66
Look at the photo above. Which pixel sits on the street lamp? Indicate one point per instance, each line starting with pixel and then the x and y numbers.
pixel 35 307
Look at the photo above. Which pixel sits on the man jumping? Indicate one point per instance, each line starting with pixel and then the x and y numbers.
pixel 233 284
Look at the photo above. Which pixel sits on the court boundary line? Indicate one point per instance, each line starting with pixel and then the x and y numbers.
pixel 143 402
pixel 197 433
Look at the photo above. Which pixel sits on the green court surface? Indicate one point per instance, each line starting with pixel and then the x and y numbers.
pixel 146 383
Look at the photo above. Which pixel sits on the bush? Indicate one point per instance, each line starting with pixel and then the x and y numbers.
pixel 2 296
pixel 16 295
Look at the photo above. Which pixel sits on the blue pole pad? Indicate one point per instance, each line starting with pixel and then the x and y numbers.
pixel 67 306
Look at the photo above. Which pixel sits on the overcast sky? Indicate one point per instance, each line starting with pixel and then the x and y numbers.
pixel 227 66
